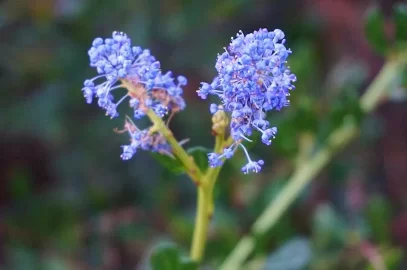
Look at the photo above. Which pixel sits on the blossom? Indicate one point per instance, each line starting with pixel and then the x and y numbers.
pixel 254 166
pixel 116 60
pixel 119 64
pixel 253 79
pixel 144 140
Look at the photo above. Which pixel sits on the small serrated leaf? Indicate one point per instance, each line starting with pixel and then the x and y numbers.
pixel 374 30
pixel 400 21
pixel 166 257
pixel 200 155
pixel 173 164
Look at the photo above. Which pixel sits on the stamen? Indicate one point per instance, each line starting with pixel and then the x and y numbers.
pixel 244 137
pixel 121 100
pixel 246 153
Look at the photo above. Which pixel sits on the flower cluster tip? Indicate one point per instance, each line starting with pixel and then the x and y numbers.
pixel 253 79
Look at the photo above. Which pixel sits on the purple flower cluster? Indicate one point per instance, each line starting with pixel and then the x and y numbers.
pixel 142 139
pixel 119 63
pixel 253 78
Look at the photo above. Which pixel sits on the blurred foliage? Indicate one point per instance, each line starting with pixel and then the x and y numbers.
pixel 69 202
pixel 166 256
pixel 374 28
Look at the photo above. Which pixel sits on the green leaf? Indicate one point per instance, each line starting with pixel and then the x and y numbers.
pixel 374 30
pixel 188 264
pixel 166 257
pixel 400 21
pixel 173 164
pixel 200 155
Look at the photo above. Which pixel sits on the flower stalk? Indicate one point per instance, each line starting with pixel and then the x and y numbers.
pixel 201 223
pixel 177 150
pixel 191 168
pixel 205 204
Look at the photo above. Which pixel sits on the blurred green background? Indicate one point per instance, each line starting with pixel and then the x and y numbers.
pixel 68 201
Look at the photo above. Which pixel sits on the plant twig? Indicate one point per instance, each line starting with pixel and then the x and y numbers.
pixel 159 126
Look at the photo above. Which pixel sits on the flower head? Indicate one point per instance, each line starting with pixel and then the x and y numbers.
pixel 254 166
pixel 253 78
pixel 144 140
pixel 117 61
pixel 119 64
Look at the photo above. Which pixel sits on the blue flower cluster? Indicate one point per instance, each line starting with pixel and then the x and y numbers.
pixel 142 139
pixel 119 63
pixel 253 78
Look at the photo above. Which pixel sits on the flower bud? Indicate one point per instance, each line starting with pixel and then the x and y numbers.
pixel 220 121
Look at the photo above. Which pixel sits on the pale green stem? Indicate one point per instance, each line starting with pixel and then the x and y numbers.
pixel 308 170
pixel 204 194
pixel 159 126
pixel 212 175
pixel 201 224
pixel 205 205
pixel 191 168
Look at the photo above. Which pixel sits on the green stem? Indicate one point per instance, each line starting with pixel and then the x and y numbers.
pixel 308 170
pixel 213 173
pixel 191 168
pixel 205 207
pixel 201 224
pixel 303 176
pixel 205 204
pixel 159 126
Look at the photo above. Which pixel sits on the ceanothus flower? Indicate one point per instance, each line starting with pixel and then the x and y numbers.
pixel 253 78
pixel 142 139
pixel 118 62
